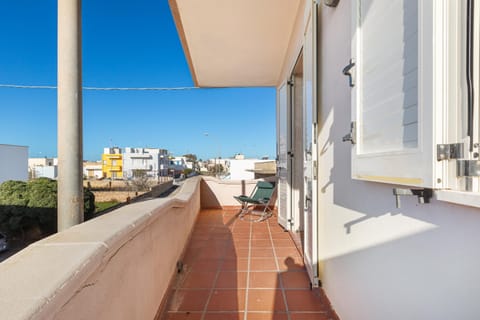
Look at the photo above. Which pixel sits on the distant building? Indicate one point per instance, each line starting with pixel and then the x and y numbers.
pixel 265 168
pixel 112 163
pixel 248 169
pixel 13 163
pixel 92 170
pixel 153 162
pixel 43 168
pixel 37 162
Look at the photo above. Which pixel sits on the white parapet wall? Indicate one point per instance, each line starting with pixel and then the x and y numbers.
pixel 117 266
pixel 220 193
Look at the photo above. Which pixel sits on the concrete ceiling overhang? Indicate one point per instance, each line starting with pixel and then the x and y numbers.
pixel 235 43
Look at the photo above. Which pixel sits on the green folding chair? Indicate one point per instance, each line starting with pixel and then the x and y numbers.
pixel 262 196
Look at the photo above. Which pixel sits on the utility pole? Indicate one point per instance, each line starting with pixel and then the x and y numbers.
pixel 69 99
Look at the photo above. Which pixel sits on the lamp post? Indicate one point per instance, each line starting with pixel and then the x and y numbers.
pixel 219 152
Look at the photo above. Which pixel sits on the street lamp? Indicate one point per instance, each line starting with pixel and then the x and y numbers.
pixel 219 152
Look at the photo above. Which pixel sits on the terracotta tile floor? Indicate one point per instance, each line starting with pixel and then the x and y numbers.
pixel 236 269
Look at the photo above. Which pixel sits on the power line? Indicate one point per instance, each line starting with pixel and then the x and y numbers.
pixel 19 86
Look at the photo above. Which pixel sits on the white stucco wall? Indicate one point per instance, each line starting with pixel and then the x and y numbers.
pixel 238 169
pixel 13 163
pixel 50 172
pixel 380 262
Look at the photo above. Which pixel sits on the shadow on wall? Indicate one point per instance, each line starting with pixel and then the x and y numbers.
pixel 410 277
pixel 208 199
pixel 380 262
pixel 368 198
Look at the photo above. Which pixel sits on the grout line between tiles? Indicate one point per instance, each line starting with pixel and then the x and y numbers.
pixel 247 286
pixel 280 282
pixel 217 273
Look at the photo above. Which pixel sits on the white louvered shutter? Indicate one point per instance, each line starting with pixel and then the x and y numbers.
pixel 394 94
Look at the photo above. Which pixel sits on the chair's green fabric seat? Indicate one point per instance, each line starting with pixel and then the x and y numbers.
pixel 262 194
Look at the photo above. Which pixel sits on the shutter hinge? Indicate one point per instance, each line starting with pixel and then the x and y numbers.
pixel 347 71
pixel 450 151
pixel 314 169
pixel 331 3
pixel 352 135
pixel 468 168
pixel 291 82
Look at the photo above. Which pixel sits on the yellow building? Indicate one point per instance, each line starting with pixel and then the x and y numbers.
pixel 112 163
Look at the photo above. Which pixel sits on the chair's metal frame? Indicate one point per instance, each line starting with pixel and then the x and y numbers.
pixel 249 206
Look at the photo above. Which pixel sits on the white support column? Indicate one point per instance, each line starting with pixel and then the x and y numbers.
pixel 70 146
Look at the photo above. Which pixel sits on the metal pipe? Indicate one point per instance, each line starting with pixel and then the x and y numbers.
pixel 469 71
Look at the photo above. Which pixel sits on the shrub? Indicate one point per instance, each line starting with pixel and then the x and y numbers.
pixel 88 204
pixel 42 202
pixel 24 205
pixel 13 201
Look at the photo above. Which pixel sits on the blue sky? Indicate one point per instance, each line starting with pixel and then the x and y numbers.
pixel 125 44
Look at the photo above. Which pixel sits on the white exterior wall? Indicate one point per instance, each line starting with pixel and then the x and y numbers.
pixel 243 169
pixel 379 262
pixel 36 162
pixel 95 169
pixel 238 169
pixel 13 163
pixel 50 172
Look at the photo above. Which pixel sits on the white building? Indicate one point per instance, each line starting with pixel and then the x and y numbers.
pixel 43 168
pixel 244 169
pixel 13 163
pixel 376 100
pixel 153 161
pixel 92 170
pixel 50 172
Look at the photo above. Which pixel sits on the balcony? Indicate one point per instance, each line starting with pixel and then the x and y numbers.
pixel 166 258
pixel 113 156
pixel 139 156
pixel 114 168
pixel 142 167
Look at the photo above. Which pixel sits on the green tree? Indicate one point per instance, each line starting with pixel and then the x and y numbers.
pixel 25 205
pixel 191 157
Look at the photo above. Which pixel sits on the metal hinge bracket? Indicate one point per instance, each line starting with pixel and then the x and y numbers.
pixel 347 71
pixel 331 3
pixel 468 168
pixel 352 135
pixel 450 151
pixel 423 195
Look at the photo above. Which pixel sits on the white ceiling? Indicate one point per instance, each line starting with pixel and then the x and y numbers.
pixel 235 43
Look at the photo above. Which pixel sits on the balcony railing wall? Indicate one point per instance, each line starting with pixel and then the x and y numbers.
pixel 117 266
pixel 219 193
